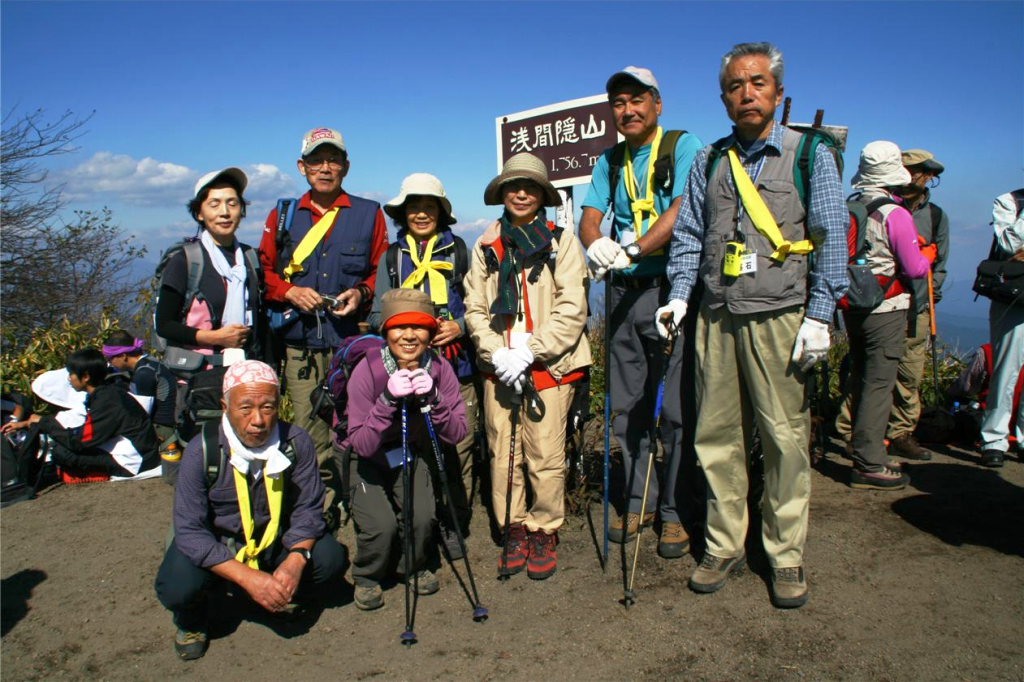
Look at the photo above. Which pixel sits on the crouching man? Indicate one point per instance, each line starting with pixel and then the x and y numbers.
pixel 254 519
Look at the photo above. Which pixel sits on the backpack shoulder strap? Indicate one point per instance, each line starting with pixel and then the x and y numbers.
pixel 282 238
pixel 665 164
pixel 615 161
pixel 194 262
pixel 214 456
pixel 803 165
pixel 391 261
pixel 936 216
pixel 718 148
pixel 461 258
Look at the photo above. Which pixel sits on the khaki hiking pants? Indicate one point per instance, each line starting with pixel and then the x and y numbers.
pixel 745 376
pixel 540 443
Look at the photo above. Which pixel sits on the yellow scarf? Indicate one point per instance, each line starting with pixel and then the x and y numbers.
pixel 275 494
pixel 424 267
pixel 645 205
pixel 760 215
pixel 308 243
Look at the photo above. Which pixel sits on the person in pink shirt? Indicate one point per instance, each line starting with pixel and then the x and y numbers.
pixel 877 335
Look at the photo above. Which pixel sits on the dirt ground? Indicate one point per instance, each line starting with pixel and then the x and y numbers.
pixel 922 584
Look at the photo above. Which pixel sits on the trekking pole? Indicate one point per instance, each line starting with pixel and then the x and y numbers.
pixel 628 595
pixel 607 420
pixel 517 401
pixel 935 350
pixel 479 612
pixel 408 638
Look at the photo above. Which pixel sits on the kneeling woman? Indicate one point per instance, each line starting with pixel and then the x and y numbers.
pixel 405 369
pixel 526 306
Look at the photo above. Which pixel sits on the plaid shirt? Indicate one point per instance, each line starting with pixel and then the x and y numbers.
pixel 827 222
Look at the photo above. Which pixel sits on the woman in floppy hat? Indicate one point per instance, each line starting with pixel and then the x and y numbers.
pixel 876 336
pixel 428 257
pixel 526 306
pixel 226 306
pixel 403 369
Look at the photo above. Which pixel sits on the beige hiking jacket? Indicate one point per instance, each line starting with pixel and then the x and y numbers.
pixel 558 305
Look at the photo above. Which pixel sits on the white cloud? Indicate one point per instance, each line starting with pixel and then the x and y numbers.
pixel 471 231
pixel 164 184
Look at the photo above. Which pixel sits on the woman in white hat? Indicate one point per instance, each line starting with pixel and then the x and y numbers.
pixel 219 311
pixel 526 307
pixel 427 256
pixel 888 244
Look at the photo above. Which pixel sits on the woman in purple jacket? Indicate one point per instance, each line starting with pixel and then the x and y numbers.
pixel 404 369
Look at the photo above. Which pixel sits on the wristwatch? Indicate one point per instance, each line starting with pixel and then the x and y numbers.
pixel 633 252
pixel 306 554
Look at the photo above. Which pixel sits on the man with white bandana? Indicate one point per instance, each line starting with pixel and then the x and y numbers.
pixel 257 523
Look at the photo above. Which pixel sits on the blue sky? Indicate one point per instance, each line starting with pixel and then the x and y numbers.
pixel 181 88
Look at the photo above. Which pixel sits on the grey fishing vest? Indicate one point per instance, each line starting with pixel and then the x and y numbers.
pixel 774 285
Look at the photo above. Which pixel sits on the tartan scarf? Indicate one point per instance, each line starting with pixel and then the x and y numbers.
pixel 520 243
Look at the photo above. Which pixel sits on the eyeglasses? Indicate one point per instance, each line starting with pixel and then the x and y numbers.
pixel 315 164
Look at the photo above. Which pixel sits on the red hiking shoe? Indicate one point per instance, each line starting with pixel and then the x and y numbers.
pixel 518 551
pixel 541 564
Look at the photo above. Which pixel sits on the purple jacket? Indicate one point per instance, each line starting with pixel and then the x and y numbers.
pixel 205 520
pixel 373 423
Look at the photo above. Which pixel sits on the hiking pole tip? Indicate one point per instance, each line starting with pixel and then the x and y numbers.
pixel 479 614
pixel 408 638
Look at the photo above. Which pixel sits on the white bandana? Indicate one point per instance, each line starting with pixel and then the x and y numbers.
pixel 270 457
pixel 236 299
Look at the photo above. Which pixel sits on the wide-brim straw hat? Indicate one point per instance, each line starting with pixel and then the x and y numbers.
pixel 421 185
pixel 881 165
pixel 522 167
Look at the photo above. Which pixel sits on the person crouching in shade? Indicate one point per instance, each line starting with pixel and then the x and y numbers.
pixel 405 369
pixel 526 307
pixel 258 523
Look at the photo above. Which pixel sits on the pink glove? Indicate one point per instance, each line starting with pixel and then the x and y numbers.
pixel 400 384
pixel 422 384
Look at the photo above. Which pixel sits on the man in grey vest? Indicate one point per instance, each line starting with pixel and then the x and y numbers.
pixel 635 255
pixel 764 316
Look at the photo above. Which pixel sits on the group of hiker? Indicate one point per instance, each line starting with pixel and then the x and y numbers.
pixel 723 266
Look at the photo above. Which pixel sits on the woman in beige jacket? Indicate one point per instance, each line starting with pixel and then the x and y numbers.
pixel 526 307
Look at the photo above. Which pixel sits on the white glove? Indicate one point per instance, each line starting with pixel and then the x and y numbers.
pixel 499 359
pixel 812 343
pixel 603 251
pixel 516 362
pixel 597 273
pixel 621 262
pixel 677 308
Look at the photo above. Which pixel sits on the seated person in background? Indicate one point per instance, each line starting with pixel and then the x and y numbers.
pixel 109 413
pixel 149 380
pixel 405 368
pixel 258 523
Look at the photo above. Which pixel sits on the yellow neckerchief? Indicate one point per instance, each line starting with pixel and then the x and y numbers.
pixel 308 243
pixel 760 215
pixel 275 494
pixel 424 267
pixel 645 205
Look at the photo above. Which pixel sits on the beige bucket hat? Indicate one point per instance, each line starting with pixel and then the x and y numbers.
pixel 881 165
pixel 522 167
pixel 420 185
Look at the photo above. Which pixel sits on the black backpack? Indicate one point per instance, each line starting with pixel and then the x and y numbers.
pixel 214 465
pixel 1000 279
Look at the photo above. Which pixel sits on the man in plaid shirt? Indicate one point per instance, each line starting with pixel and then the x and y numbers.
pixel 773 265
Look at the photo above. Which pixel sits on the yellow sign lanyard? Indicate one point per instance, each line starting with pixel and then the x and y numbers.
pixel 759 214
pixel 308 243
pixel 645 205
pixel 426 268
pixel 275 494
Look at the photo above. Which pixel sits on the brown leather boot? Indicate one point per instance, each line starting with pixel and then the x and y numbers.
pixel 615 533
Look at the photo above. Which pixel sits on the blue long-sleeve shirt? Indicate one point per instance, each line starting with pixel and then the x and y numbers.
pixel 827 223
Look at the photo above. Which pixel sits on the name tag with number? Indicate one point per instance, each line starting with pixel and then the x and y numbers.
pixel 748 263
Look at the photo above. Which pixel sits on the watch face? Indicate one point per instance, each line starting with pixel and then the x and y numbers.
pixel 633 251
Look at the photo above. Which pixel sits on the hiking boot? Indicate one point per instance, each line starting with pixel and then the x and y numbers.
pixel 894 464
pixel 789 587
pixel 451 541
pixel 369 597
pixel 541 564
pixel 907 447
pixel 992 458
pixel 615 533
pixel 190 644
pixel 886 479
pixel 518 551
pixel 674 541
pixel 426 582
pixel 712 572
